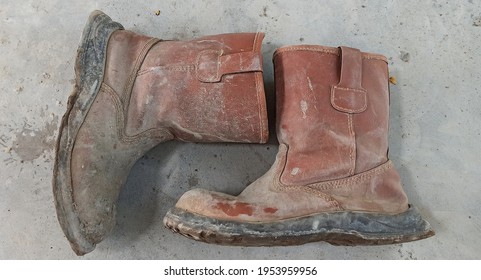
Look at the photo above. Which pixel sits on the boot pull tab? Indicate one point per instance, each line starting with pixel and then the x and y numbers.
pixel 211 65
pixel 348 96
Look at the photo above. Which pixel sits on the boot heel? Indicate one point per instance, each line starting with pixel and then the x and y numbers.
pixel 91 54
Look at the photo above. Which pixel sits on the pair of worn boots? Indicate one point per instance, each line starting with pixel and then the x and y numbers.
pixel 331 181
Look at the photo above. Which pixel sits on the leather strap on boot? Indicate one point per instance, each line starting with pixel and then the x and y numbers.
pixel 211 65
pixel 348 96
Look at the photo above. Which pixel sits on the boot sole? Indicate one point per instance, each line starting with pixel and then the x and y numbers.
pixel 89 73
pixel 338 228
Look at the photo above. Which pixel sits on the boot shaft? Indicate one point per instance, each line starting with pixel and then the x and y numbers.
pixel 203 90
pixel 332 111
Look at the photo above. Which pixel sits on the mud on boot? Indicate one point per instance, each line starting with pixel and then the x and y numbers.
pixel 133 92
pixel 332 179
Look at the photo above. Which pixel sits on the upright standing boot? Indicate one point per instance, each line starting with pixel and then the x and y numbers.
pixel 133 92
pixel 332 179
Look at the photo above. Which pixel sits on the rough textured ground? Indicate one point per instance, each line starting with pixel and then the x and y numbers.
pixel 435 133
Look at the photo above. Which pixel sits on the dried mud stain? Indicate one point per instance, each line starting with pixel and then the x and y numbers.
pixel 30 144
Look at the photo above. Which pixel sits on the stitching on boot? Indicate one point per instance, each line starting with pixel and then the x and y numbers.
pixel 345 182
pixel 279 186
pixel 351 89
pixel 258 91
pixel 340 108
pixel 162 133
pixel 332 202
pixel 313 49
pixel 179 68
pixel 352 148
pixel 353 180
pixel 332 184
pixel 125 97
pixel 327 50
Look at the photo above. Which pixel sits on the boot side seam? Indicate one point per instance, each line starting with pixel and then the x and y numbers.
pixel 353 180
pixel 162 133
pixel 331 184
pixel 352 148
pixel 279 186
pixel 127 90
pixel 336 183
pixel 259 108
pixel 258 91
pixel 331 200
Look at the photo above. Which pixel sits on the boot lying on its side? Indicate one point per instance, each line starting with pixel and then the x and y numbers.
pixel 133 92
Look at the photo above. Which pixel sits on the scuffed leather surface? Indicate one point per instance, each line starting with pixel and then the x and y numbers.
pixel 268 199
pixel 320 140
pixel 100 165
pixel 171 87
pixel 166 101
pixel 338 144
pixel 261 201
pixel 328 160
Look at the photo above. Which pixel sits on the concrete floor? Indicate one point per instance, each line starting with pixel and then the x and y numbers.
pixel 435 133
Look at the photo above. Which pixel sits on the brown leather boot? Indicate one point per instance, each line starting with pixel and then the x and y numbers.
pixel 133 92
pixel 332 179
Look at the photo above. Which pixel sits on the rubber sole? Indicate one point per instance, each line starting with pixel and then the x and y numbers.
pixel 338 228
pixel 89 72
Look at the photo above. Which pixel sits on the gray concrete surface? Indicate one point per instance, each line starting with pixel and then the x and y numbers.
pixel 435 133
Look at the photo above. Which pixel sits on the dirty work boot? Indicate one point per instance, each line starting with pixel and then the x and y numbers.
pixel 133 92
pixel 332 179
